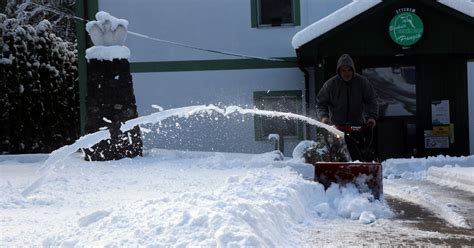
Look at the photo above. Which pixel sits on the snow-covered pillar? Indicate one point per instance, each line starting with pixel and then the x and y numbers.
pixel 110 100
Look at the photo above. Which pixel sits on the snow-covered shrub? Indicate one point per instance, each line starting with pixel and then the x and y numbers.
pixel 39 88
pixel 326 148
pixel 59 12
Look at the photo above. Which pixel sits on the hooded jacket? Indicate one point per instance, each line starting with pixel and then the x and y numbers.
pixel 343 102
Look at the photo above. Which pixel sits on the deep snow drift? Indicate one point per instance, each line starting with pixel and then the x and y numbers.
pixel 414 180
pixel 172 198
pixel 180 198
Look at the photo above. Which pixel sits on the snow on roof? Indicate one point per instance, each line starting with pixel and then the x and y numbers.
pixel 355 8
pixel 331 21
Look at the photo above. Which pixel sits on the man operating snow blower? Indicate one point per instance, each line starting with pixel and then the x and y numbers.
pixel 341 102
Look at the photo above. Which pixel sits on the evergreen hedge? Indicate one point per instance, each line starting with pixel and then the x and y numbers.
pixel 39 88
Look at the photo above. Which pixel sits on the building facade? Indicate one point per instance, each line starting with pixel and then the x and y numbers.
pixel 417 55
pixel 180 57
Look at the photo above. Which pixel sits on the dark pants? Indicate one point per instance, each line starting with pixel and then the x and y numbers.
pixel 361 144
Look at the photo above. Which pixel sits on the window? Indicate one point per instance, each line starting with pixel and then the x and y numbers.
pixel 281 101
pixel 396 89
pixel 266 13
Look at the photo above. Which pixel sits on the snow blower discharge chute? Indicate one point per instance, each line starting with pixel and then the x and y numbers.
pixel 332 158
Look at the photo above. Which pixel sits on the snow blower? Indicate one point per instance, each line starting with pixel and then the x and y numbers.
pixel 333 159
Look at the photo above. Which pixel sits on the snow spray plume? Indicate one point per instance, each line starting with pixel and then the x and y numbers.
pixel 89 140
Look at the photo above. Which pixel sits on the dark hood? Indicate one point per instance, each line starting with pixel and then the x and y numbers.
pixel 345 59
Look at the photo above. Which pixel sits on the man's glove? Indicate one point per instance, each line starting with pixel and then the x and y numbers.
pixel 325 120
pixel 371 122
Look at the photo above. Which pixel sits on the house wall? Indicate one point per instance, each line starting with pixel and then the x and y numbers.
pixel 221 88
pixel 223 25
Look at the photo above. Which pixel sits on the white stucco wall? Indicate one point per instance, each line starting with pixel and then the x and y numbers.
pixel 470 95
pixel 223 25
pixel 179 89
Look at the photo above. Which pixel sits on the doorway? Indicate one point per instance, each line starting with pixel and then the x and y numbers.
pixel 395 86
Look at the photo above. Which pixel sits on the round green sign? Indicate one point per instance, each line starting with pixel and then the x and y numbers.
pixel 406 28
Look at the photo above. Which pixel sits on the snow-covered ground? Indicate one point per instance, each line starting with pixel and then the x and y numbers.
pixel 415 180
pixel 179 198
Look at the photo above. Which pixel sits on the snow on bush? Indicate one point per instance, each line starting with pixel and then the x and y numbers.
pixel 58 12
pixel 326 148
pixel 39 88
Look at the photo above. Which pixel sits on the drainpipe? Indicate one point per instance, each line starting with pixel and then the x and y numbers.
pixel 82 11
pixel 306 88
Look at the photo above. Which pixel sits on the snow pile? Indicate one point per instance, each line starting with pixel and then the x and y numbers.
pixel 418 180
pixel 10 197
pixel 416 168
pixel 263 208
pixel 424 198
pixel 175 198
pixel 454 177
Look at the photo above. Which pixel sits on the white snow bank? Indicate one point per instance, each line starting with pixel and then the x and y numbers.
pixel 107 52
pixel 60 154
pixel 263 208
pixel 21 158
pixel 420 197
pixel 175 198
pixel 454 177
pixel 407 179
pixel 416 168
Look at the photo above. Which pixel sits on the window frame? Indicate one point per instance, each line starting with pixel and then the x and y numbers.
pixel 255 15
pixel 259 96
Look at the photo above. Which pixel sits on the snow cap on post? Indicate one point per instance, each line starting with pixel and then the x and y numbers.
pixel 107 30
pixel 108 35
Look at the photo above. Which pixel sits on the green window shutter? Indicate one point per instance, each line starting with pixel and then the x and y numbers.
pixel 297 12
pixel 253 13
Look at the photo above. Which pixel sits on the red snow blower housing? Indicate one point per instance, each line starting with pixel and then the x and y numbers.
pixel 364 172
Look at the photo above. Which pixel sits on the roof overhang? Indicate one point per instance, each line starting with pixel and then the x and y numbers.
pixel 331 21
pixel 355 8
